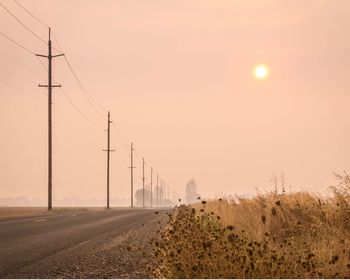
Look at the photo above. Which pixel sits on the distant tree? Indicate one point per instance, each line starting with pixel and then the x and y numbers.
pixel 163 201
pixel 139 198
pixel 191 191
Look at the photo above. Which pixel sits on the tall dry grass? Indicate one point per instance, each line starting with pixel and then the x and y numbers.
pixel 296 235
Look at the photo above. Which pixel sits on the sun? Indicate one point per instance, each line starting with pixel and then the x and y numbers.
pixel 261 72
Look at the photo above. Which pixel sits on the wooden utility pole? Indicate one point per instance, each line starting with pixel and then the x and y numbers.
pixel 161 193
pixel 157 190
pixel 164 192
pixel 108 151
pixel 143 182
pixel 151 187
pixel 49 86
pixel 169 193
pixel 132 175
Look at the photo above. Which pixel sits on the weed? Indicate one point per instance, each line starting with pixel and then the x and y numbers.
pixel 295 235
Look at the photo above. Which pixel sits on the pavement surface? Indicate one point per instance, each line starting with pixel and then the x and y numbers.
pixel 80 244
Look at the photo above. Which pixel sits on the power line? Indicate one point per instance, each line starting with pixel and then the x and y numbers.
pixel 21 90
pixel 71 102
pixel 137 155
pixel 86 93
pixel 20 22
pixel 94 104
pixel 90 99
pixel 88 96
pixel 22 64
pixel 16 75
pixel 56 41
pixel 113 142
pixel 83 90
pixel 41 63
pixel 16 43
pixel 28 12
pixel 120 136
pixel 116 144
pixel 79 111
pixel 68 121
pixel 35 17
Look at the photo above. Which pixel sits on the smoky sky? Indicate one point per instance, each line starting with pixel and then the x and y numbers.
pixel 177 77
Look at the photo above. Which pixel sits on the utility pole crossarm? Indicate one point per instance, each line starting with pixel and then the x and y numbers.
pixel 57 55
pixel 41 55
pixel 48 85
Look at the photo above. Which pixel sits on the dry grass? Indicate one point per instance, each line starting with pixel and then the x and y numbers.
pixel 297 235
pixel 28 211
pixel 20 211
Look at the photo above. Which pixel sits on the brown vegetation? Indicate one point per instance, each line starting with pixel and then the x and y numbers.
pixel 295 235
pixel 6 212
pixel 20 211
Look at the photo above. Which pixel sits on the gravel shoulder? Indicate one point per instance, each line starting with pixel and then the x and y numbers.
pixel 125 252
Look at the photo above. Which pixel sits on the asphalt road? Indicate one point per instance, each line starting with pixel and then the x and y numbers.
pixel 29 241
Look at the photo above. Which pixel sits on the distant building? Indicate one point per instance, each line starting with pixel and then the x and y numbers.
pixel 191 192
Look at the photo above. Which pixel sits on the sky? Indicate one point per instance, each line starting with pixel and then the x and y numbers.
pixel 178 79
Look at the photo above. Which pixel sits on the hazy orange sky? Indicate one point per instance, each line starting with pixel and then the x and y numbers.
pixel 178 79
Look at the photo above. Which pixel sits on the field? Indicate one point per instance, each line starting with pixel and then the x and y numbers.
pixel 20 211
pixel 296 235
pixel 26 211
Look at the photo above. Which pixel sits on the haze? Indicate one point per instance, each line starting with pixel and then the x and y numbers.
pixel 178 78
